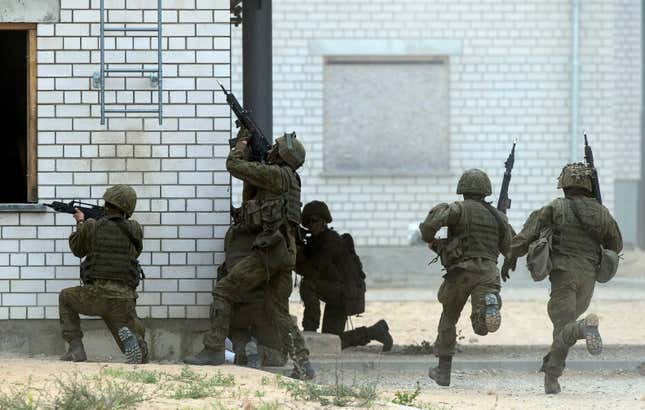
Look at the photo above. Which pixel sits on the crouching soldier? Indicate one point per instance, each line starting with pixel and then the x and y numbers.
pixel 477 234
pixel 110 274
pixel 332 272
pixel 579 229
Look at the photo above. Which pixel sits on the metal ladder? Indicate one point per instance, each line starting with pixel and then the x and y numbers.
pixel 156 74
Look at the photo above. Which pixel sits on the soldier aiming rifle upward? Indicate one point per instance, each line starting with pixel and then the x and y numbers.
pixel 257 142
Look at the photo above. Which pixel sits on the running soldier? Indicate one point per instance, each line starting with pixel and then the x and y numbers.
pixel 580 225
pixel 477 234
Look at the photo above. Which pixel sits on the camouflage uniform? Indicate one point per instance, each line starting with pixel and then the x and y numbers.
pixel 477 234
pixel 575 257
pixel 110 274
pixel 271 211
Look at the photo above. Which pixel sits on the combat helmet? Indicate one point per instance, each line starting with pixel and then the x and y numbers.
pixel 474 182
pixel 291 150
pixel 123 197
pixel 576 175
pixel 316 209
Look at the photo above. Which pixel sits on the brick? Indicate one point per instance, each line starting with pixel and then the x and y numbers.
pixel 178 298
pixel 19 299
pixel 27 286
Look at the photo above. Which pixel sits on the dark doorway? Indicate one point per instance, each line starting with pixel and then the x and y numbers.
pixel 13 115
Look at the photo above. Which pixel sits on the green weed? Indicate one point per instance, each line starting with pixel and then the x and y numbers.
pixel 141 376
pixel 76 393
pixel 407 398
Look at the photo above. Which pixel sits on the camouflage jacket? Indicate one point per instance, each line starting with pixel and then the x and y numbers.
pixel 595 215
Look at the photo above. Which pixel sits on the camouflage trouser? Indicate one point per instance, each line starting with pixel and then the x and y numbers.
pixel 453 295
pixel 251 273
pixel 87 300
pixel 570 296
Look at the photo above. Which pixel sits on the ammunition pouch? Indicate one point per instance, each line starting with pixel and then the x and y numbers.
pixel 538 259
pixel 273 250
pixel 258 215
pixel 450 251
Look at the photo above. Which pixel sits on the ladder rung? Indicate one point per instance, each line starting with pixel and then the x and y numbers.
pixel 132 110
pixel 148 28
pixel 131 70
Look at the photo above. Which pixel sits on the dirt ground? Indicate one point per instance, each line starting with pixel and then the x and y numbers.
pixel 258 390
pixel 523 322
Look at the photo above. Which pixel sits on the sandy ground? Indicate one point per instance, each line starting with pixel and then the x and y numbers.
pixel 523 322
pixel 484 389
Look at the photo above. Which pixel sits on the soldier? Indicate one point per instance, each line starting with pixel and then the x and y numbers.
pixel 271 212
pixel 477 233
pixel 110 274
pixel 332 272
pixel 580 225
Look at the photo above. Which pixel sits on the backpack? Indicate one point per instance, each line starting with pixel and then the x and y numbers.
pixel 354 280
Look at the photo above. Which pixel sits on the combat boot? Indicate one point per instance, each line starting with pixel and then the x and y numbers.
pixel 207 357
pixel 441 373
pixel 589 331
pixel 380 332
pixel 551 385
pixel 75 352
pixel 131 348
pixel 492 315
pixel 303 371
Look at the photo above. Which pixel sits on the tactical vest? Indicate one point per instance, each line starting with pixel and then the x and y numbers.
pixel 113 256
pixel 268 211
pixel 570 237
pixel 480 231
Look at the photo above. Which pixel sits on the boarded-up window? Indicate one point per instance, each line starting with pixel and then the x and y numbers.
pixel 386 116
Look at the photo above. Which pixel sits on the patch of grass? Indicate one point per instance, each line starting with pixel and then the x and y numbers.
pixel 259 393
pixel 338 394
pixel 140 376
pixel 20 400
pixel 406 398
pixel 274 405
pixel 191 385
pixel 76 393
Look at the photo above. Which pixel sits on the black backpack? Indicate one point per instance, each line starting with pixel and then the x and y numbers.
pixel 354 280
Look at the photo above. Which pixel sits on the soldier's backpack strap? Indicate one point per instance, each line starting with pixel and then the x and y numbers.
pixel 501 225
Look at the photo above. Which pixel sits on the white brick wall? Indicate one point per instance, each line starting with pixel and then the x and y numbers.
pixel 177 168
pixel 512 79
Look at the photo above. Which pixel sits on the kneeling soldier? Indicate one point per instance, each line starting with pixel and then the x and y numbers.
pixel 332 272
pixel 110 274
pixel 477 234
pixel 580 225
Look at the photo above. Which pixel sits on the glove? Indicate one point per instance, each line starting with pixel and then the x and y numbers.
pixel 509 264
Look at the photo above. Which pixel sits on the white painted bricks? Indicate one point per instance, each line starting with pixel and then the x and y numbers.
pixel 167 165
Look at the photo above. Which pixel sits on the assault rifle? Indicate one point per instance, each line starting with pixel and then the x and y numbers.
pixel 89 210
pixel 595 184
pixel 258 143
pixel 504 202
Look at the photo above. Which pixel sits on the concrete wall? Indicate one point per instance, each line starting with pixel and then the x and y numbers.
pixel 32 11
pixel 510 77
pixel 177 169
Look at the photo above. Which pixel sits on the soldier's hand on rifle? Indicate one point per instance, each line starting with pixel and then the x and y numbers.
pixel 79 215
pixel 243 134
